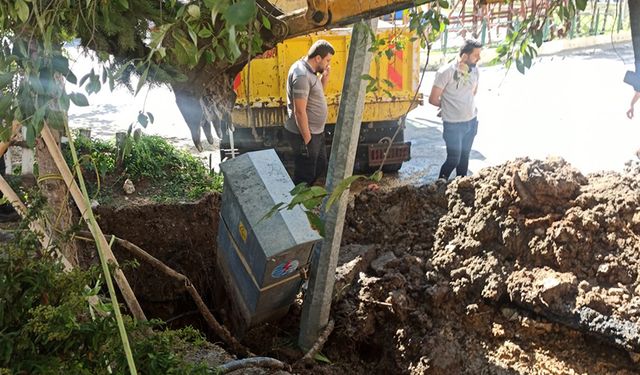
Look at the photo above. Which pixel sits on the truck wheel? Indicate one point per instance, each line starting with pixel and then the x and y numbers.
pixel 391 168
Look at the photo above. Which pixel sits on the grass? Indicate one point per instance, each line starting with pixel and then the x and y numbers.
pixel 157 169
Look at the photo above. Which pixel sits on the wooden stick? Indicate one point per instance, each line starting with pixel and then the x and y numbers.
pixel 4 146
pixel 87 214
pixel 264 362
pixel 35 226
pixel 319 342
pixel 219 329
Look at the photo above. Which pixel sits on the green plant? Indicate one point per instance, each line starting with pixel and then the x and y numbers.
pixel 172 173
pixel 310 198
pixel 47 326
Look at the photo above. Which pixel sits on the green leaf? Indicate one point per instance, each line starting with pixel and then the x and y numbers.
pixel 85 78
pixel 205 33
pixel 71 78
pixel 194 11
pixel 316 222
pixel 300 198
pixel 581 4
pixel 443 4
pixel 38 116
pixel 5 103
pixel 527 60
pixel 520 66
pixel 6 79
pixel 318 191
pixel 321 358
pixel 31 136
pixel 312 203
pixel 143 80
pixel 240 13
pixel 36 85
pixel 143 120
pixel 376 176
pixel 64 102
pixel 266 23
pixel 78 99
pixel 272 211
pixel 342 186
pixel 22 9
pixel 389 53
pixel 233 45
pixel 193 36
pixel 55 119
pixel 388 83
pixel 151 118
pixel 185 51
pixel 298 189
pixel 367 77
pixel 537 37
pixel 124 3
pixel 60 64
pixel 210 3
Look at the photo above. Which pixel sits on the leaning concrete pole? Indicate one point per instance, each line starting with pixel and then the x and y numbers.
pixel 634 20
pixel 324 259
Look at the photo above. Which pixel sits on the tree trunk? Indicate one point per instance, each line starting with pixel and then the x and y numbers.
pixel 58 213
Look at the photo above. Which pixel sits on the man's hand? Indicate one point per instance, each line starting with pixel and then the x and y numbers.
pixel 326 72
pixel 306 138
pixel 325 76
pixel 630 113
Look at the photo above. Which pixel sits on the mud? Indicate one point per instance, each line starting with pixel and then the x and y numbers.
pixel 526 268
pixel 183 236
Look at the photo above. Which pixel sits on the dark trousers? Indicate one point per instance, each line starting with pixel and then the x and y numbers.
pixel 458 137
pixel 310 162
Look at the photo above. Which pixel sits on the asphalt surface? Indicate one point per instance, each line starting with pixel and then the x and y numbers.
pixel 571 105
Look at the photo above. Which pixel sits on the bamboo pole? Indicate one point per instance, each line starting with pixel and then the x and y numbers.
pixel 4 146
pixel 87 214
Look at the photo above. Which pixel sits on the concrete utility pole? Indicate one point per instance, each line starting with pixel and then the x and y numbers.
pixel 324 259
pixel 634 20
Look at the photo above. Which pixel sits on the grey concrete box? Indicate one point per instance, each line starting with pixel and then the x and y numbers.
pixel 267 252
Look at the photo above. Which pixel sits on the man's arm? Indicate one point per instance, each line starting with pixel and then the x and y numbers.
pixel 634 100
pixel 300 113
pixel 436 96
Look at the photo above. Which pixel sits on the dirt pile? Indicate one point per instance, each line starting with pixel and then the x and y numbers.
pixel 542 236
pixel 528 267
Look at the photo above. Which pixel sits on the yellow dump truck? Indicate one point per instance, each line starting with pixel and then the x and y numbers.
pixel 266 76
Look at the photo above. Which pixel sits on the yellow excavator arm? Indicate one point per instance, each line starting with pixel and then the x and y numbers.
pixel 325 14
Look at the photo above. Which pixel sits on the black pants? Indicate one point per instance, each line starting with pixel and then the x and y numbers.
pixel 310 163
pixel 458 137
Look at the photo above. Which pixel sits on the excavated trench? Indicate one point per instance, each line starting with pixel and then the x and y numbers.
pixel 526 268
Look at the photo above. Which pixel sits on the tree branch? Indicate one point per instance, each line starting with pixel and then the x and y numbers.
pixel 220 330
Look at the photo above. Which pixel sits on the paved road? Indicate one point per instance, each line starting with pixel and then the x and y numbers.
pixel 570 105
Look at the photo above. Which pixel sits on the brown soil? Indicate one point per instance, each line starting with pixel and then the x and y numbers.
pixel 183 236
pixel 526 268
pixel 532 268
